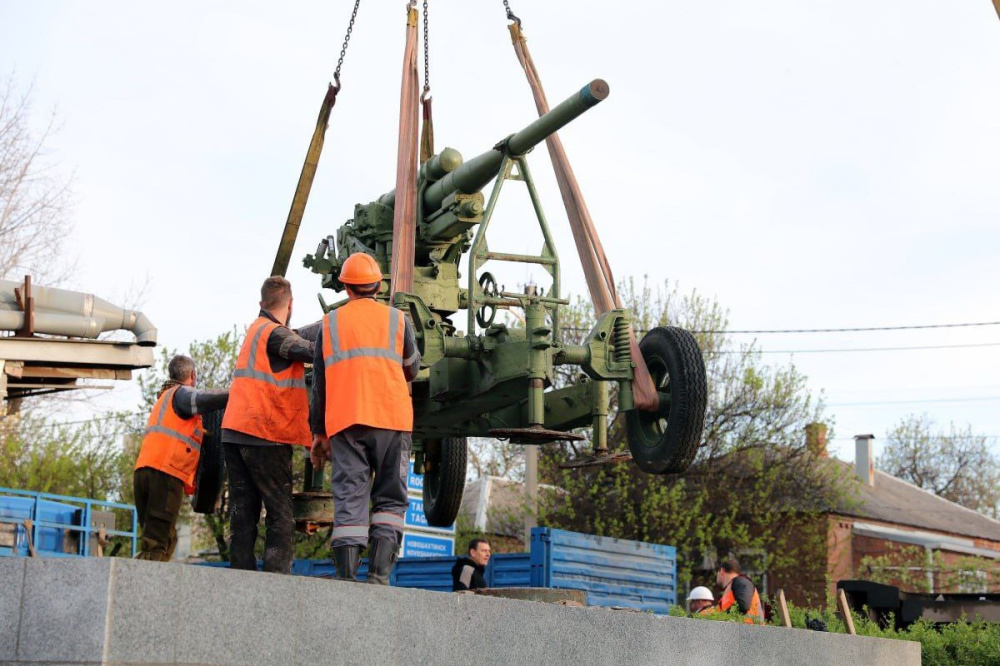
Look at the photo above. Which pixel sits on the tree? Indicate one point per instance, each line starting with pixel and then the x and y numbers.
pixel 34 197
pixel 958 465
pixel 754 490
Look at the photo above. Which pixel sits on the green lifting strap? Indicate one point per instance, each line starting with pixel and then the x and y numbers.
pixel 298 208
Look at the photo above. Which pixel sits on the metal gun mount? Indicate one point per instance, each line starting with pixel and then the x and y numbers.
pixel 499 381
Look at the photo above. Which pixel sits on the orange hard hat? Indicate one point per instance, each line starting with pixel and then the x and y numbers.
pixel 360 268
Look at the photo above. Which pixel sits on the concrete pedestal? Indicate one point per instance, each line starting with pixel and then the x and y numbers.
pixel 122 612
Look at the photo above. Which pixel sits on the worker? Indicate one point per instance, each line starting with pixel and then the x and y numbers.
pixel 469 572
pixel 268 414
pixel 700 600
pixel 362 419
pixel 740 591
pixel 168 459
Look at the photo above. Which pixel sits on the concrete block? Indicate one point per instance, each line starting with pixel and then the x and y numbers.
pixel 236 617
pixel 146 603
pixel 65 610
pixel 127 612
pixel 11 586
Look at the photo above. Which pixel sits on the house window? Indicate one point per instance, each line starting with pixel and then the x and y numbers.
pixel 973 581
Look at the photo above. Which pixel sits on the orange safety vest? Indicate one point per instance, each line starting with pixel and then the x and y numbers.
pixel 363 359
pixel 753 616
pixel 171 444
pixel 273 406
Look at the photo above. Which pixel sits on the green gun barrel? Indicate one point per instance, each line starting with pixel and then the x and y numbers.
pixel 480 170
pixel 449 174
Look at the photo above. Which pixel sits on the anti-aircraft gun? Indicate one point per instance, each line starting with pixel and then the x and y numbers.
pixel 496 380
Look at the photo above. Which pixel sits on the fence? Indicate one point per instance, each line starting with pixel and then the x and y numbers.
pixel 60 526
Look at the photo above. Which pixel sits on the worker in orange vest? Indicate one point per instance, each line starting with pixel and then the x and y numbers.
pixel 168 460
pixel 362 419
pixel 268 414
pixel 739 591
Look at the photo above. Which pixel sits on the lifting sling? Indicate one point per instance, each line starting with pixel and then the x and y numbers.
pixel 404 217
pixel 600 280
pixel 304 186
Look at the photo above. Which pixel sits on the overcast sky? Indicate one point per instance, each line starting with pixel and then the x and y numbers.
pixel 808 165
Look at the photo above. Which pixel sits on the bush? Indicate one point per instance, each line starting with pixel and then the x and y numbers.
pixel 960 643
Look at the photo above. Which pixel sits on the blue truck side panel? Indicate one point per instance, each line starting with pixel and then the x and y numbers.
pixel 613 572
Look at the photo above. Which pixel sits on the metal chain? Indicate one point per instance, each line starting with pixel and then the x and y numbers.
pixel 510 15
pixel 347 39
pixel 427 55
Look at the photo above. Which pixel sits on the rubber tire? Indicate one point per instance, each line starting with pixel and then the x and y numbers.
pixel 211 475
pixel 673 358
pixel 444 487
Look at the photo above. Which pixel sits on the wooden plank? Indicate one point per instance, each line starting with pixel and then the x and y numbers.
pixel 77 352
pixel 62 372
pixel 786 620
pixel 13 368
pixel 71 385
pixel 845 612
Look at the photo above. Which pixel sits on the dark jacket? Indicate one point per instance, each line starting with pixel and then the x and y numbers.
pixel 189 402
pixel 467 575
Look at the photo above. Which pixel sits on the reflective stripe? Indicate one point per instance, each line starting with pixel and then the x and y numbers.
pixel 163 405
pixel 163 430
pixel 252 360
pixel 362 352
pixel 248 373
pixel 382 518
pixel 349 531
pixel 337 354
pixel 394 316
pixel 465 578
pixel 411 358
pixel 332 332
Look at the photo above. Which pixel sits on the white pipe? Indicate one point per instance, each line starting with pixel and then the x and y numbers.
pixel 75 311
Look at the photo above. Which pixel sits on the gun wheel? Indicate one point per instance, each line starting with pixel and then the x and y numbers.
pixel 665 442
pixel 210 479
pixel 444 479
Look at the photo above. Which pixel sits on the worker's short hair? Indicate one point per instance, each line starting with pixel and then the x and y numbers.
pixel 180 368
pixel 365 289
pixel 275 291
pixel 474 544
pixel 730 566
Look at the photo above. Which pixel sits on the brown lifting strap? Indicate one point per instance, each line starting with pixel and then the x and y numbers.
pixel 600 280
pixel 304 185
pixel 404 218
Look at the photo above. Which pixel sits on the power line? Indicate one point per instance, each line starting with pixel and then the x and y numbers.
pixel 853 349
pixel 909 402
pixel 856 329
pixel 852 329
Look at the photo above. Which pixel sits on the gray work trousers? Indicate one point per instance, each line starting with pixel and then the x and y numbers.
pixel 357 453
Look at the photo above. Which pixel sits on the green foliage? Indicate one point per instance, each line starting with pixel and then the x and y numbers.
pixel 754 485
pixel 958 465
pixel 962 643
pixel 78 460
pixel 907 567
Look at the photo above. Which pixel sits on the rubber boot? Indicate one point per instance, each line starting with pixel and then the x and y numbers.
pixel 346 559
pixel 381 557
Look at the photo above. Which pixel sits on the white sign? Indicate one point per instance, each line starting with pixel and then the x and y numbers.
pixel 427 545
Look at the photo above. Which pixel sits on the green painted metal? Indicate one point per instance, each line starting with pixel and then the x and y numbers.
pixel 492 376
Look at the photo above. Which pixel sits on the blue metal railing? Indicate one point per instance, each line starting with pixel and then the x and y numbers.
pixel 73 514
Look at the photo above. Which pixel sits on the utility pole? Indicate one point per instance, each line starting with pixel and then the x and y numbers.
pixel 531 492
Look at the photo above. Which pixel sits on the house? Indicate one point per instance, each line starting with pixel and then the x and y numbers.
pixel 883 529
pixel 914 538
